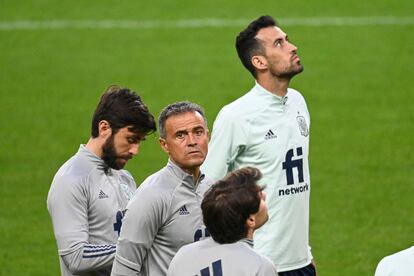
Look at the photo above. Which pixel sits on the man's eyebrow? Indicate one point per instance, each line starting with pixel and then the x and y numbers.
pixel 181 131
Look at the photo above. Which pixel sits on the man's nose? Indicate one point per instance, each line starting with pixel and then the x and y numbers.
pixel 134 150
pixel 192 140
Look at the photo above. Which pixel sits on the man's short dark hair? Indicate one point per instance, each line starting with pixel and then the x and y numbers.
pixel 247 45
pixel 122 107
pixel 175 109
pixel 230 202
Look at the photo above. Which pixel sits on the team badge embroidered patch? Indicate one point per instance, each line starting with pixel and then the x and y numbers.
pixel 303 126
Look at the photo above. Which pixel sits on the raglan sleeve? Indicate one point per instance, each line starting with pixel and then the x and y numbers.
pixel 228 140
pixel 140 225
pixel 68 207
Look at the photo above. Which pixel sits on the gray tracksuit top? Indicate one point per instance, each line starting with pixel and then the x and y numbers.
pixel 163 215
pixel 208 257
pixel 86 202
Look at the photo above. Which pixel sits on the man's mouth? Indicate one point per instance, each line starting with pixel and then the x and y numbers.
pixel 296 58
pixel 125 158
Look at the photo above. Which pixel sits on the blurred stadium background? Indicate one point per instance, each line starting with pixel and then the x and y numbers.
pixel 56 58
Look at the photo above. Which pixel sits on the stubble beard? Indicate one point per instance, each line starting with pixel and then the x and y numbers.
pixel 290 72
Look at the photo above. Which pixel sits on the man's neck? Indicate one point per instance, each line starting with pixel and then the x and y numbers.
pixel 274 85
pixel 95 146
pixel 194 172
pixel 250 233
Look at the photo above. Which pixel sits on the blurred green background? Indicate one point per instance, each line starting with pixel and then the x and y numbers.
pixel 357 82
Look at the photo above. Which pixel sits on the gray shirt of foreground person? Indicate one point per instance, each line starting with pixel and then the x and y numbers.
pixel 230 259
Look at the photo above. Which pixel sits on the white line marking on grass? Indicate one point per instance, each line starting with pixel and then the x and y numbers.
pixel 198 23
pixel 349 21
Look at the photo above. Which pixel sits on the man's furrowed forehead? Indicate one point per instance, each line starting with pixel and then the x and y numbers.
pixel 185 121
pixel 269 34
pixel 279 30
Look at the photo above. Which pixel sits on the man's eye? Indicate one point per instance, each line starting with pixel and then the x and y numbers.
pixel 179 135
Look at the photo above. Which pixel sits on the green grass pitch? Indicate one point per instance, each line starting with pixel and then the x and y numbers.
pixel 357 82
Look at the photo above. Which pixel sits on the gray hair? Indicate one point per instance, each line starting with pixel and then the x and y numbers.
pixel 176 109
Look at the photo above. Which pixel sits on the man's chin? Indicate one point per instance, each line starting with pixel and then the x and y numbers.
pixel 197 162
pixel 120 164
pixel 116 165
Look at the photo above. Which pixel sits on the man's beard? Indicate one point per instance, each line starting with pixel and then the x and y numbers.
pixel 109 154
pixel 289 74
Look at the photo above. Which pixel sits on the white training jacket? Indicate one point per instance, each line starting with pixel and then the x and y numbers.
pixel 270 133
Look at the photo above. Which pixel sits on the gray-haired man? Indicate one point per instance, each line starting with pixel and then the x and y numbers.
pixel 165 212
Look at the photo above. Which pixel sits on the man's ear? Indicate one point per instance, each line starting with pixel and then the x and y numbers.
pixel 104 129
pixel 251 222
pixel 259 62
pixel 164 145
